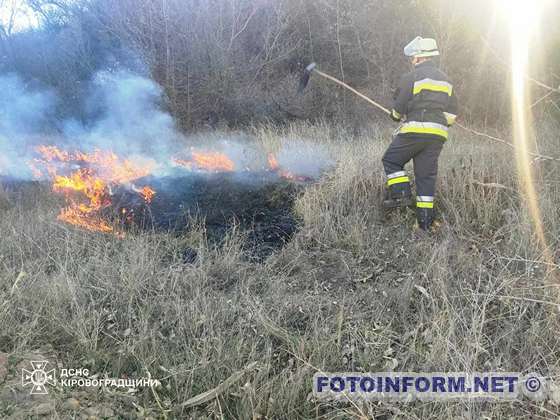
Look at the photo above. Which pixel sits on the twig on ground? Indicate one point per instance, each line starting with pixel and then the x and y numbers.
pixel 493 185
pixel 518 298
pixel 220 389
pixel 155 394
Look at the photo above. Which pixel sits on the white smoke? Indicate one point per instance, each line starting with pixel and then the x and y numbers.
pixel 304 158
pixel 24 115
pixel 129 117
pixel 124 114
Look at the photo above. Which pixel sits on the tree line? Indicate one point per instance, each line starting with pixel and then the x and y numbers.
pixel 236 62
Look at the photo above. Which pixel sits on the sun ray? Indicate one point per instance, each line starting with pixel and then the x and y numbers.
pixel 523 18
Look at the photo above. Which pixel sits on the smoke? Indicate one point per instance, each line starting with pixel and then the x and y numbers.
pixel 25 113
pixel 127 117
pixel 304 158
pixel 123 112
pixel 22 111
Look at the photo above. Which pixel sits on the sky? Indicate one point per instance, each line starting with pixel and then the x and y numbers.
pixel 23 16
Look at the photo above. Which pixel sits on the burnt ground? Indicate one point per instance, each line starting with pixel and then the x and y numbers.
pixel 257 203
pixel 260 204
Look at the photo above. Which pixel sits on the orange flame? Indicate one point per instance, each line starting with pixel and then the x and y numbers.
pixel 148 194
pixel 273 162
pixel 76 217
pixel 207 161
pixel 88 189
pixel 51 153
pixel 78 213
pixel 213 161
pixel 275 167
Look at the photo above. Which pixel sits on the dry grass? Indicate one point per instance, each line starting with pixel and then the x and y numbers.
pixel 350 293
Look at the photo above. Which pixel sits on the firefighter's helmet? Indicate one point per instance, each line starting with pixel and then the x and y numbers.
pixel 421 47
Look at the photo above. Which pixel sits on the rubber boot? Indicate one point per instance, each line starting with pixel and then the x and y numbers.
pixel 425 218
pixel 398 195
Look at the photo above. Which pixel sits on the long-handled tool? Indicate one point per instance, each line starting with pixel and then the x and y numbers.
pixel 312 68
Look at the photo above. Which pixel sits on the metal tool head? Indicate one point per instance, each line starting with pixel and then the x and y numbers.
pixel 305 77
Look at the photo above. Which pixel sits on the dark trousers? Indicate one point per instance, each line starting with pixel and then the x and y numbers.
pixel 425 154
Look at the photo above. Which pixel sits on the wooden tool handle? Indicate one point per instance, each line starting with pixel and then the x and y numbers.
pixel 364 97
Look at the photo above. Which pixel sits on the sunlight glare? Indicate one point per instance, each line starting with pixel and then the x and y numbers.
pixel 523 17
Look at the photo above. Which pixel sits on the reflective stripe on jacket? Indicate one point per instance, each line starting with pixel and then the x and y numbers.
pixel 426 100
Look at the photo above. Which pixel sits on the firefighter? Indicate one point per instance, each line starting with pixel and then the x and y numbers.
pixel 425 103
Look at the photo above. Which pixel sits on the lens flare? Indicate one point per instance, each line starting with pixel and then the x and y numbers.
pixel 523 17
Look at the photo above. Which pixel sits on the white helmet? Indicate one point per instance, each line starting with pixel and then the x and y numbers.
pixel 421 47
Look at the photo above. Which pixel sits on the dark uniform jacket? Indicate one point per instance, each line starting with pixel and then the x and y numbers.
pixel 426 103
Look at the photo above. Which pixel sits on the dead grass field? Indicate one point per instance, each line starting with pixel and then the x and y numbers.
pixel 351 292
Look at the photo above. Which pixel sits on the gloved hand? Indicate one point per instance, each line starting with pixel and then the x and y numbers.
pixel 395 116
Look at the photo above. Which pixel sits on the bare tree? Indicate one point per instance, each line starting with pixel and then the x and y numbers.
pixel 236 61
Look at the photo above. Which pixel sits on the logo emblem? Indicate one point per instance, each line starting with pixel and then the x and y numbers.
pixel 38 377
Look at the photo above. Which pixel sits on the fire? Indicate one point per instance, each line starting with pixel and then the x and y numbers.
pixel 86 180
pixel 148 194
pixel 76 217
pixel 207 161
pixel 78 184
pixel 274 166
pixel 107 164
pixel 113 169
pixel 213 161
pixel 273 162
pixel 83 182
pixel 51 153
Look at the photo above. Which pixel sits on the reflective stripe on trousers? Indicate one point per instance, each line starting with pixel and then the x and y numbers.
pixel 425 202
pixel 425 153
pixel 399 177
